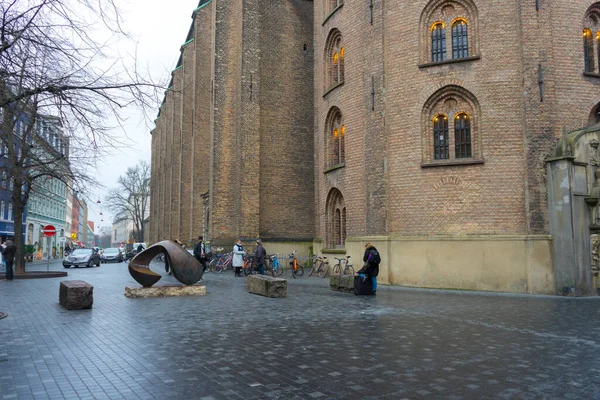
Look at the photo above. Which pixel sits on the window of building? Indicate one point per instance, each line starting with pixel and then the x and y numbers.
pixel 440 137
pixel 330 6
pixel 588 50
pixel 438 42
pixel 2 209
pixel 335 54
pixel 461 18
pixel 336 220
pixel 445 142
pixel 462 135
pixel 335 134
pixel 591 39
pixel 10 213
pixel 460 39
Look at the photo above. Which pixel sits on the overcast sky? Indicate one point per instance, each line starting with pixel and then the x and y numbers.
pixel 160 28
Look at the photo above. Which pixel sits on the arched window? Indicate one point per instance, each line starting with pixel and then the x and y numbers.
pixel 440 137
pixel 460 39
pixel 438 42
pixel 335 133
pixel 462 135
pixel 10 213
pixel 334 60
pixel 588 50
pixel 2 209
pixel 443 141
pixel 336 220
pixel 594 117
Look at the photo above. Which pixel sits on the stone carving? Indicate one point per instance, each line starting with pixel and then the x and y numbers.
pixel 594 153
pixel 595 245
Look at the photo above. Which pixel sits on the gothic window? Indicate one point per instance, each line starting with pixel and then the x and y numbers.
pixel 335 133
pixel 445 142
pixel 438 42
pixel 594 117
pixel 460 39
pixel 460 18
pixel 462 136
pixel 588 50
pixel 334 60
pixel 591 39
pixel 336 220
pixel 440 137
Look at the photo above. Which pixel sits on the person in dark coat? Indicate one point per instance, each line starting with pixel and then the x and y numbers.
pixel 371 259
pixel 259 257
pixel 200 253
pixel 9 257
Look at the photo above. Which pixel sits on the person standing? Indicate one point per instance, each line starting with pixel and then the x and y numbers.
pixel 238 257
pixel 200 252
pixel 259 256
pixel 9 257
pixel 371 259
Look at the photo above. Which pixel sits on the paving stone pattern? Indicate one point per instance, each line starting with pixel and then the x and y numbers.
pixel 314 344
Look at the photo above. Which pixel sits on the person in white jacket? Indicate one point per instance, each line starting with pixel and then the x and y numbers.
pixel 238 258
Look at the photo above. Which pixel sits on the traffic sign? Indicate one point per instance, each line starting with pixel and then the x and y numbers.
pixel 49 230
pixel 63 239
pixel 73 235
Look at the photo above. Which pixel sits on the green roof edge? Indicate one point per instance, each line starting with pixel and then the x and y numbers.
pixel 188 42
pixel 203 5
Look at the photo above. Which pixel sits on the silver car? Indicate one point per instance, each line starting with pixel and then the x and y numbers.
pixel 78 257
pixel 112 254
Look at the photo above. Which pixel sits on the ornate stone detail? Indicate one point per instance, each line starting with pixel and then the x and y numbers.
pixel 594 153
pixel 595 246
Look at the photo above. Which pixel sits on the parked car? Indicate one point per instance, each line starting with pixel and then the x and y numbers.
pixel 87 257
pixel 112 254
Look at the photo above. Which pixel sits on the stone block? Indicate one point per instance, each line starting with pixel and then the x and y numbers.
pixel 342 283
pixel 267 286
pixel 76 295
pixel 164 291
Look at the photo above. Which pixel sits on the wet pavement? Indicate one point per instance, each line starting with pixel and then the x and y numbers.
pixel 314 344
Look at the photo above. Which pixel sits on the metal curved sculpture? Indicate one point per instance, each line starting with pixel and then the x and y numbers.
pixel 185 268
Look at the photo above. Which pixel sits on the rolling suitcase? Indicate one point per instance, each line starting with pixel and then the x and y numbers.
pixel 363 285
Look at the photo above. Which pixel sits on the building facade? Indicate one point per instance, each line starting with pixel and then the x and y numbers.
pixel 432 127
pixel 122 231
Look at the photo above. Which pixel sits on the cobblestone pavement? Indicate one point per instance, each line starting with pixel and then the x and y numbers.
pixel 314 344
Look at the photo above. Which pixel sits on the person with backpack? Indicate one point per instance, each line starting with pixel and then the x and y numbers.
pixel 259 256
pixel 371 259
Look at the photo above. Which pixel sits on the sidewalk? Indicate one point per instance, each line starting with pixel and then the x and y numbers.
pixel 404 343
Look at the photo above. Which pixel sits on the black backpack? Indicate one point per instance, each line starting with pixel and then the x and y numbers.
pixel 374 258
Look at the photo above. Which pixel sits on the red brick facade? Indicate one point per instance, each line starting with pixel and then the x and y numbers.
pixel 426 118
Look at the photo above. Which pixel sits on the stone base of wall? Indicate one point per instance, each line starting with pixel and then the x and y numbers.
pixel 164 291
pixel 517 264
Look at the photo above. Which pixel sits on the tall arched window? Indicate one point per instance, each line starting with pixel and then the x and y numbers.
pixel 10 213
pixel 334 60
pixel 462 135
pixel 335 133
pixel 460 39
pixel 440 137
pixel 588 50
pixel 438 42
pixel 2 209
pixel 336 220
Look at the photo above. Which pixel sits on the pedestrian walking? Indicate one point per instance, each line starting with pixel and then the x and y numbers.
pixel 9 258
pixel 200 253
pixel 259 256
pixel 2 248
pixel 238 258
pixel 370 269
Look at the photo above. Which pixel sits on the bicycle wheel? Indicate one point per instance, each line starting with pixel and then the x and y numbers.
pixel 211 266
pixel 219 267
pixel 299 270
pixel 337 269
pixel 312 270
pixel 323 270
pixel 279 269
pixel 349 270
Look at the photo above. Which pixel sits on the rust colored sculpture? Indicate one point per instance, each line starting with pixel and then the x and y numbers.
pixel 186 269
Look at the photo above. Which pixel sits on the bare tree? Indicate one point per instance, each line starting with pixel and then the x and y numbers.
pixel 53 73
pixel 132 196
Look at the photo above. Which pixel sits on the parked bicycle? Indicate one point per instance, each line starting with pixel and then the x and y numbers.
pixel 320 266
pixel 295 267
pixel 343 267
pixel 250 266
pixel 274 265
pixel 220 263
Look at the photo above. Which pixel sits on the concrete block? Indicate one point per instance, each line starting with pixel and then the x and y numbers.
pixel 267 286
pixel 164 291
pixel 342 283
pixel 76 295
